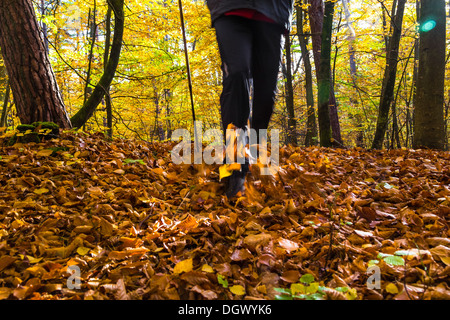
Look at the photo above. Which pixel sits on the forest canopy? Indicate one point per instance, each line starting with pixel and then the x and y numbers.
pixel 149 94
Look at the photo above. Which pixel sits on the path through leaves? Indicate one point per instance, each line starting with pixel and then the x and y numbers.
pixel 137 226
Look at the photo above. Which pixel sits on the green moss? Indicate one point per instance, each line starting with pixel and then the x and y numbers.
pixel 25 127
pixel 46 125
pixel 35 132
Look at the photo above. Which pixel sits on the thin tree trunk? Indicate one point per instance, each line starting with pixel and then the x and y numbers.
pixel 289 96
pixel 33 83
pixel 108 102
pixel 429 109
pixel 80 118
pixel 316 14
pixel 390 72
pixel 352 64
pixel 311 126
pixel 92 39
pixel 324 77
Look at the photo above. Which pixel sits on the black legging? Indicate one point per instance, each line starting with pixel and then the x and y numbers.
pixel 250 51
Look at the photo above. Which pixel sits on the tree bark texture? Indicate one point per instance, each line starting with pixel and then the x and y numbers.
pixel 429 129
pixel 83 115
pixel 324 77
pixel 311 138
pixel 108 103
pixel 289 97
pixel 33 83
pixel 316 17
pixel 390 73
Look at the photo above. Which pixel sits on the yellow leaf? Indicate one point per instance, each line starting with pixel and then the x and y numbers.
pixel 83 251
pixel 392 288
pixel 183 266
pixel 207 268
pixel 44 153
pixel 41 191
pixel 5 293
pixel 352 294
pixel 262 289
pixel 30 258
pixel 266 210
pixel 312 288
pixel 298 288
pixel 238 290
pixel 159 171
pixel 223 172
pixel 17 223
pixel 446 260
pixel 226 170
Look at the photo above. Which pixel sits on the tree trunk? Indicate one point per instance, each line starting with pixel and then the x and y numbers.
pixel 311 126
pixel 33 83
pixel 92 25
pixel 324 77
pixel 429 109
pixel 5 108
pixel 316 16
pixel 356 117
pixel 108 103
pixel 80 118
pixel 390 73
pixel 289 96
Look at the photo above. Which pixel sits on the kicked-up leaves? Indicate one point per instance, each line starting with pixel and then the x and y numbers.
pixel 136 226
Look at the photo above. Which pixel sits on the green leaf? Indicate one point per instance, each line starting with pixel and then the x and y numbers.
pixel 394 260
pixel 373 262
pixel 283 297
pixel 307 278
pixel 283 290
pixel 382 255
pixel 222 280
pixel 316 296
pixel 127 161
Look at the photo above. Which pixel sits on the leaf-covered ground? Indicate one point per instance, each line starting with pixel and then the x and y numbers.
pixel 139 227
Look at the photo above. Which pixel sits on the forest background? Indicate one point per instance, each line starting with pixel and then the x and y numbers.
pixel 149 95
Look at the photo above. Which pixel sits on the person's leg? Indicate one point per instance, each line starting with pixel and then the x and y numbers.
pixel 234 38
pixel 266 60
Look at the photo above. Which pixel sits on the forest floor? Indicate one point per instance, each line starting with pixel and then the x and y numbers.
pixel 83 218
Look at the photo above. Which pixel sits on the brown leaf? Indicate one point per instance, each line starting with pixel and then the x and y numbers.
pixel 290 276
pixel 254 240
pixel 241 255
pixel 5 261
pixel 367 213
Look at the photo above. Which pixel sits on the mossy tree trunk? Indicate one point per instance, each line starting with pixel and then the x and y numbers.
pixel 324 77
pixel 429 128
pixel 311 138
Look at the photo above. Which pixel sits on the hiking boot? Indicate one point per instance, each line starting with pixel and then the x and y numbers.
pixel 236 182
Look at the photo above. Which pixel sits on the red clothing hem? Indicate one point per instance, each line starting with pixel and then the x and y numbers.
pixel 249 14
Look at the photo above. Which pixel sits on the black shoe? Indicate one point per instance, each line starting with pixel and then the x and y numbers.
pixel 235 184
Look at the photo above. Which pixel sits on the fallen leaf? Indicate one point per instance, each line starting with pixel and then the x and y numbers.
pixel 183 266
pixel 391 288
pixel 237 290
pixel 288 245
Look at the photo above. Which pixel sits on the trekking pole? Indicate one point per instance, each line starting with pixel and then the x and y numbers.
pixel 186 55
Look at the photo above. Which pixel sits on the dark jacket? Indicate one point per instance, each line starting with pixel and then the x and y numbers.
pixel 278 10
